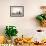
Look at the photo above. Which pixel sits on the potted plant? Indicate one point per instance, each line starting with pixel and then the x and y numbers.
pixel 42 17
pixel 10 31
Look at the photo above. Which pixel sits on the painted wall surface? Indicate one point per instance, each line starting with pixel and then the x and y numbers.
pixel 26 25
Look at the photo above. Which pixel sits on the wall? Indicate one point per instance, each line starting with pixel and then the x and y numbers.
pixel 26 25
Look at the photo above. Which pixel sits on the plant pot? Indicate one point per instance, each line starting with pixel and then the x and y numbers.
pixel 43 23
pixel 13 38
pixel 9 41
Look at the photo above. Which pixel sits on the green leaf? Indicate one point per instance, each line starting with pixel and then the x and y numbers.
pixel 45 16
pixel 40 18
pixel 10 31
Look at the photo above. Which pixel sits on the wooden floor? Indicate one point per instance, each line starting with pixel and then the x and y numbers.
pixel 30 45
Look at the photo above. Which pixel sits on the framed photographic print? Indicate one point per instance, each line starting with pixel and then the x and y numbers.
pixel 17 11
